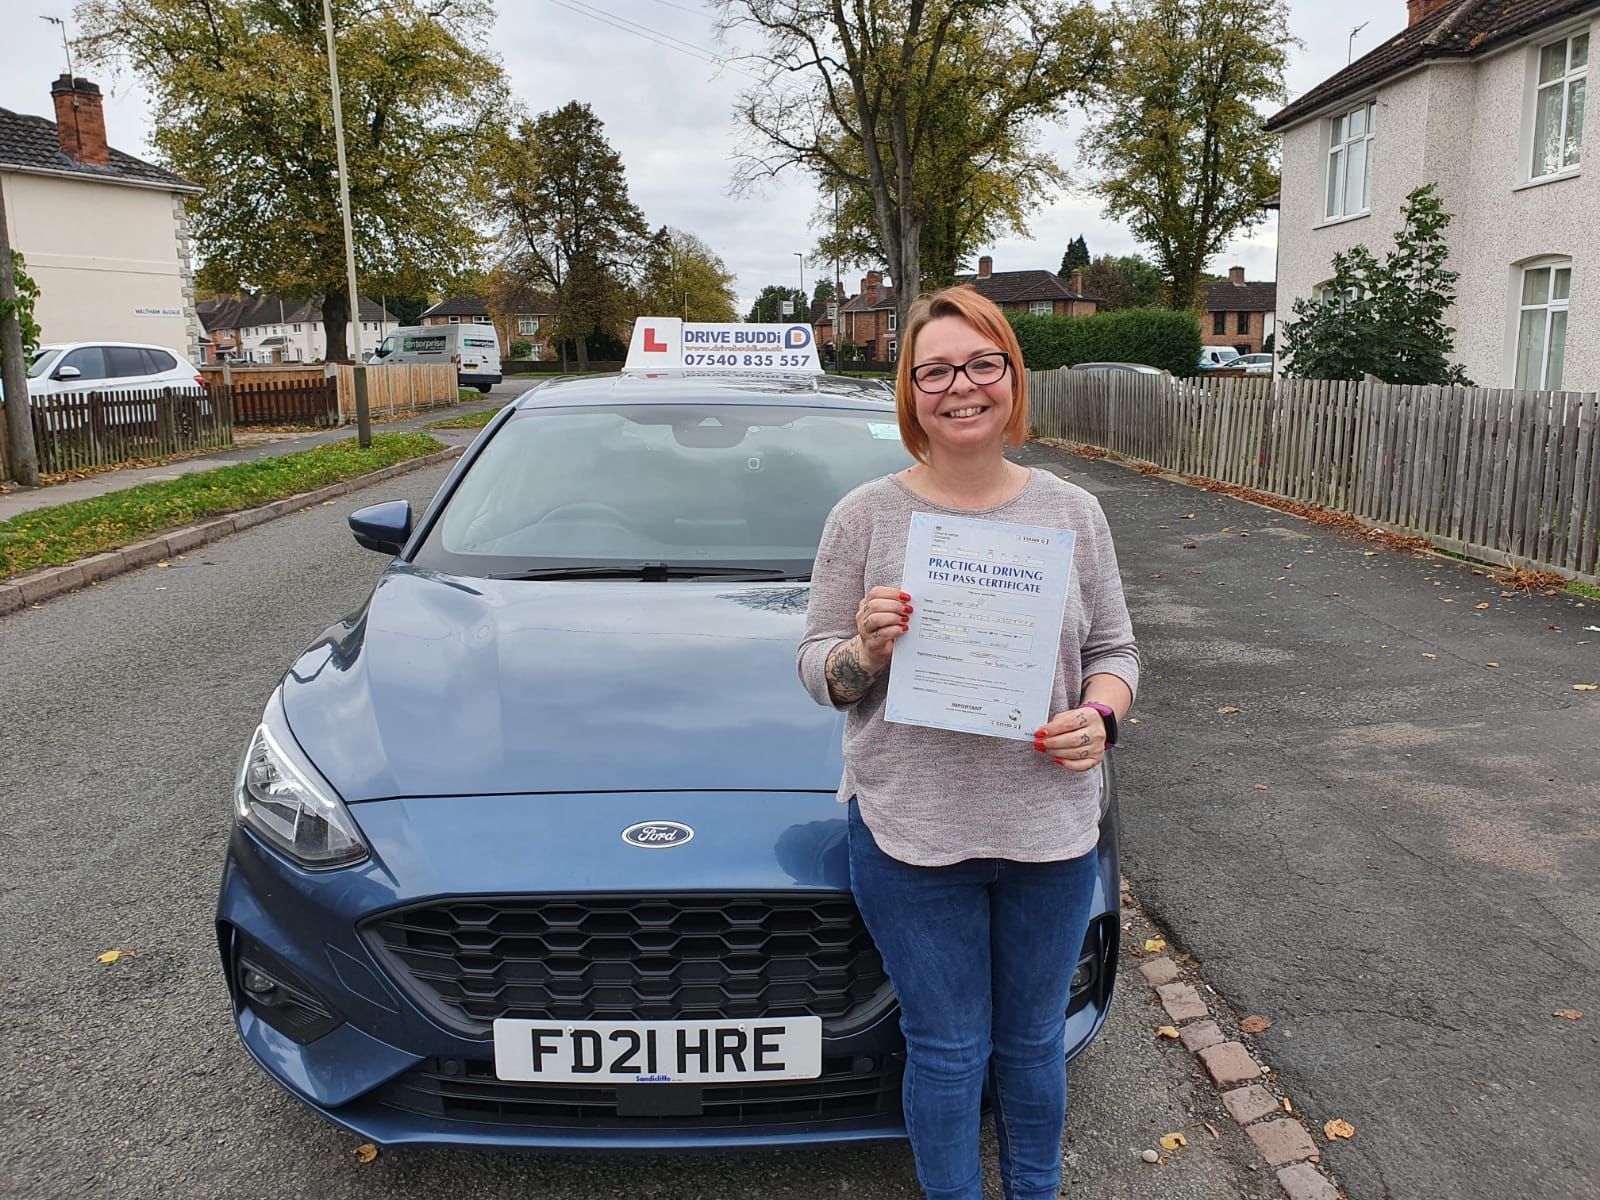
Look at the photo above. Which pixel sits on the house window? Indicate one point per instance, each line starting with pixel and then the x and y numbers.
pixel 894 349
pixel 1542 324
pixel 527 325
pixel 455 320
pixel 1350 161
pixel 1558 105
pixel 297 329
pixel 537 350
pixel 483 320
pixel 893 316
pixel 1219 322
pixel 1243 325
pixel 1041 308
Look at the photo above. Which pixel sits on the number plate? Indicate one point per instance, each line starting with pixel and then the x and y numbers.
pixel 658 1051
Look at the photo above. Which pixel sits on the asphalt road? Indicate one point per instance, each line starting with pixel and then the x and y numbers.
pixel 1390 849
pixel 125 707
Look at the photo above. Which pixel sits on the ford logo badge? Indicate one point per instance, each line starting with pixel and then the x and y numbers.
pixel 657 835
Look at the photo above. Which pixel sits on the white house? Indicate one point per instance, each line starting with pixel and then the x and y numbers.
pixel 271 329
pixel 105 235
pixel 1486 99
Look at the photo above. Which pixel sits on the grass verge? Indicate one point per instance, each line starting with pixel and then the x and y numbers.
pixel 49 537
pixel 475 420
pixel 1584 589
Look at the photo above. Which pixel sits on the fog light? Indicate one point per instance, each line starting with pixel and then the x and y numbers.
pixel 256 983
pixel 1084 975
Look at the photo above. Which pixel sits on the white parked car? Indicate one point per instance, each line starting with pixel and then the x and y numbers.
pixel 108 367
pixel 1254 364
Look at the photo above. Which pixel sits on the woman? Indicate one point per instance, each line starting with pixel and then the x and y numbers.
pixel 971 858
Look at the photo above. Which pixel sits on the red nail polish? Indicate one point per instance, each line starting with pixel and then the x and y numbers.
pixel 908 610
pixel 905 597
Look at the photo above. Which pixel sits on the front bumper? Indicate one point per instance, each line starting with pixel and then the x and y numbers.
pixel 375 1054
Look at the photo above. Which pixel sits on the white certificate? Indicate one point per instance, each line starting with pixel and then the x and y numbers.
pixel 985 630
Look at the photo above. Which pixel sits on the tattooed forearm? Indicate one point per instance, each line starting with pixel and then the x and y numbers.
pixel 848 678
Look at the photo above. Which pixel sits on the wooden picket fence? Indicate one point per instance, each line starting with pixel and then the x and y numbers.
pixel 311 401
pixel 400 387
pixel 1510 477
pixel 76 431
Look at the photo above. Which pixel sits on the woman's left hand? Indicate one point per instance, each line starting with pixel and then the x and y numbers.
pixel 1075 739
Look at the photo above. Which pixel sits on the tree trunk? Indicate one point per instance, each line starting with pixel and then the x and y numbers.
pixel 583 352
pixel 335 318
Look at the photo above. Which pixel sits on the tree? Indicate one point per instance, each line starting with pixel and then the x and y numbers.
pixel 872 98
pixel 242 107
pixel 1127 281
pixel 1384 319
pixel 823 290
pixel 567 223
pixel 1183 156
pixel 967 199
pixel 22 308
pixel 769 305
pixel 681 276
pixel 1076 258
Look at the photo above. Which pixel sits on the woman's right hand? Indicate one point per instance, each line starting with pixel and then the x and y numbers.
pixel 881 617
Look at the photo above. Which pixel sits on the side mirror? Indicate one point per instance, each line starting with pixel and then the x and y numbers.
pixel 380 352
pixel 383 527
pixel 67 373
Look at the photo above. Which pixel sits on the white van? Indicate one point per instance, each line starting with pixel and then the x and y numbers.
pixel 1217 356
pixel 474 349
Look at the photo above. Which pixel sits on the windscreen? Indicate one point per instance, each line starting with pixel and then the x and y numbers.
pixel 681 484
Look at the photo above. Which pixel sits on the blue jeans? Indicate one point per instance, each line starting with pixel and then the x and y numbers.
pixel 981 954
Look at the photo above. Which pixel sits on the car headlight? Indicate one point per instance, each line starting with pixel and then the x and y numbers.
pixel 280 796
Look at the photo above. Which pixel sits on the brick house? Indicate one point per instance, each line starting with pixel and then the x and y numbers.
pixel 1239 314
pixel 531 326
pixel 870 315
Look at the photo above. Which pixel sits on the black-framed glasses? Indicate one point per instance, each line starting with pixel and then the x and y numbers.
pixel 983 369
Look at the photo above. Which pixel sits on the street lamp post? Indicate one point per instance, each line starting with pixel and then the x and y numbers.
pixel 801 256
pixel 363 419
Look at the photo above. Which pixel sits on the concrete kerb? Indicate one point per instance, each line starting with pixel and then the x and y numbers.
pixel 38 586
pixel 1247 1088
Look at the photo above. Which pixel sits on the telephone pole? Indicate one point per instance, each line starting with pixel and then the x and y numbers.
pixel 20 456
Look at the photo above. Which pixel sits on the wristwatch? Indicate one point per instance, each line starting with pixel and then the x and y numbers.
pixel 1109 716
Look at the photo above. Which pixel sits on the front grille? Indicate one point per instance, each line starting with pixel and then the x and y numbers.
pixel 636 958
pixel 454 1090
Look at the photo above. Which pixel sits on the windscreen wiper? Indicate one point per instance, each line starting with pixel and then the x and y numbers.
pixel 649 572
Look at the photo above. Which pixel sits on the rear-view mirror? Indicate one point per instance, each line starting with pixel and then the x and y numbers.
pixel 382 527
pixel 68 373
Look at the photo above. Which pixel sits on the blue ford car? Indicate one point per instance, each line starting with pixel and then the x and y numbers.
pixel 539 848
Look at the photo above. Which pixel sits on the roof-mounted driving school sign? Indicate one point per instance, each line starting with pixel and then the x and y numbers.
pixel 671 344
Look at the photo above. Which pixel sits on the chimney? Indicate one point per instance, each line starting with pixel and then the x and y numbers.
pixel 985 267
pixel 870 284
pixel 1236 276
pixel 80 125
pixel 1077 283
pixel 1416 10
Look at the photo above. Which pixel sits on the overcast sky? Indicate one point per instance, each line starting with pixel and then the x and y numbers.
pixel 669 113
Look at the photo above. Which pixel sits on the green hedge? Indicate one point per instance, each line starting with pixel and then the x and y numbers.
pixel 1157 336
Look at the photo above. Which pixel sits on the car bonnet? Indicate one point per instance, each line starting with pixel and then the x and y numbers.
pixel 452 686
